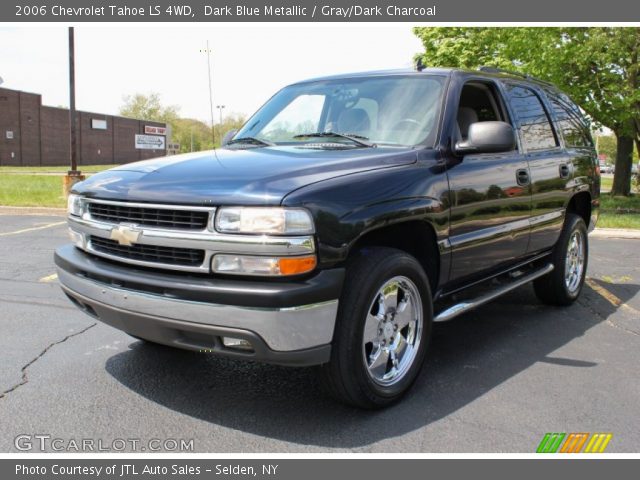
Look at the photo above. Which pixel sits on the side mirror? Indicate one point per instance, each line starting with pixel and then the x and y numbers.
pixel 228 136
pixel 488 137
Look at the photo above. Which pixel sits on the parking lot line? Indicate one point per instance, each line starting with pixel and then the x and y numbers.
pixel 32 229
pixel 609 297
pixel 49 278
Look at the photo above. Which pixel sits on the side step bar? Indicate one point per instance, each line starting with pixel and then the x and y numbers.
pixel 463 307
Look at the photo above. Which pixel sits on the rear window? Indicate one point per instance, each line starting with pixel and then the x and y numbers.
pixel 571 122
pixel 535 128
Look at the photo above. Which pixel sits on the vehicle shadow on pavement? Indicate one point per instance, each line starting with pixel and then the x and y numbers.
pixel 468 357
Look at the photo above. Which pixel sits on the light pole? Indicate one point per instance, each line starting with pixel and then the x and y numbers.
pixel 220 108
pixel 213 131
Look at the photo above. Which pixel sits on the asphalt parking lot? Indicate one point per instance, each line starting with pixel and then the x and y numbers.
pixel 496 380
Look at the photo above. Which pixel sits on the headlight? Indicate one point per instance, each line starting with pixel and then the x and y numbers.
pixel 75 205
pixel 276 220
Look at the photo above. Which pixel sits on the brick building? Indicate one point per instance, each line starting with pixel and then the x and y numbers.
pixel 32 134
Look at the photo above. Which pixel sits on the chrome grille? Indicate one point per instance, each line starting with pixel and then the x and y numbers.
pixel 165 243
pixel 150 217
pixel 189 257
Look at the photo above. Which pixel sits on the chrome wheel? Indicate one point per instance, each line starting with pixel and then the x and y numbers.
pixel 392 331
pixel 574 263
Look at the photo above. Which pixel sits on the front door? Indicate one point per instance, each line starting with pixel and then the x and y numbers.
pixel 490 196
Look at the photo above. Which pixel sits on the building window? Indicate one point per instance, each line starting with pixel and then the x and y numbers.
pixel 98 124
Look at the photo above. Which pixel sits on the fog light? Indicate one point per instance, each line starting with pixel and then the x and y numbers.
pixel 237 343
pixel 76 238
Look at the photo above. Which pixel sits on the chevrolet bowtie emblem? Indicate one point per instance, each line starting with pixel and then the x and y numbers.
pixel 125 235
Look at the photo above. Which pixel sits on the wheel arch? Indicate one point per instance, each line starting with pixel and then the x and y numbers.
pixel 580 204
pixel 415 237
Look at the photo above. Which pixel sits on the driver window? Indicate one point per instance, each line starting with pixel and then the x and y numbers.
pixel 477 104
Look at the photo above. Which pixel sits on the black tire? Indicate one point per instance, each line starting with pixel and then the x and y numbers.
pixel 552 289
pixel 346 377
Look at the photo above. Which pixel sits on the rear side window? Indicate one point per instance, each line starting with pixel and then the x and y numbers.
pixel 571 122
pixel 535 128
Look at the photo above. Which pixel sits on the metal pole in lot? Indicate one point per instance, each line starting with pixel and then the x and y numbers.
pixel 72 102
pixel 73 175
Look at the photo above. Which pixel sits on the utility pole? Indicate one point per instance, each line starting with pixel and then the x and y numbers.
pixel 73 175
pixel 213 131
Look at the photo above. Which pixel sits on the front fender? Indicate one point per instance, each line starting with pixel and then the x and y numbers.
pixel 347 208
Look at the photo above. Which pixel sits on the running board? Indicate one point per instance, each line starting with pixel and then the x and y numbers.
pixel 463 307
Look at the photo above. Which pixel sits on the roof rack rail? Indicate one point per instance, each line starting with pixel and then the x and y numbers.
pixel 511 72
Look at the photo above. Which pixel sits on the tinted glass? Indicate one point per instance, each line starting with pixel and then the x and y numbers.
pixel 387 110
pixel 301 115
pixel 571 122
pixel 533 122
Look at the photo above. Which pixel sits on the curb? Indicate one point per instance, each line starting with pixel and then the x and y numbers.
pixel 48 211
pixel 625 233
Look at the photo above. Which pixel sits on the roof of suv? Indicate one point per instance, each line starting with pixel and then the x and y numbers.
pixel 431 71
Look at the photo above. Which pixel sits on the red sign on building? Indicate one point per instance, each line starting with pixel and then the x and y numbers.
pixel 151 130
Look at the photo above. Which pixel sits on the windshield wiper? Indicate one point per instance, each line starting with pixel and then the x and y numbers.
pixel 251 141
pixel 357 139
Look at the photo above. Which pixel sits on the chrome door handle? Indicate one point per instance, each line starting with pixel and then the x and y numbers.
pixel 522 176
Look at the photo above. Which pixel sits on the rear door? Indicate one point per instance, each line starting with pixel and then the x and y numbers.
pixel 550 166
pixel 575 135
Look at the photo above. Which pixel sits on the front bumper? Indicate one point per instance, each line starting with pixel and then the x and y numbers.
pixel 286 323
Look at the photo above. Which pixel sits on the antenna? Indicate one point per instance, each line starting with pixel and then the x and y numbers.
pixel 420 66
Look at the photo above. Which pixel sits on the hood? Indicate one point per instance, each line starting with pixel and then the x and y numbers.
pixel 255 176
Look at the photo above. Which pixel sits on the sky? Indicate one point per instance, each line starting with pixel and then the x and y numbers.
pixel 249 63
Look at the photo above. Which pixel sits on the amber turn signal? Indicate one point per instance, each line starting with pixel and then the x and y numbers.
pixel 297 265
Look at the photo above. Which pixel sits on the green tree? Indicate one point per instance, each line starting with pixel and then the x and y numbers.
pixel 597 66
pixel 148 107
pixel 233 121
pixel 607 145
pixel 192 135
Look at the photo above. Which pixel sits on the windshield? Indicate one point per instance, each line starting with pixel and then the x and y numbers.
pixel 386 110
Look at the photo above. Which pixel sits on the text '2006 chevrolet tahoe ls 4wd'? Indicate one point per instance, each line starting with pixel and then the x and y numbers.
pixel 344 218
